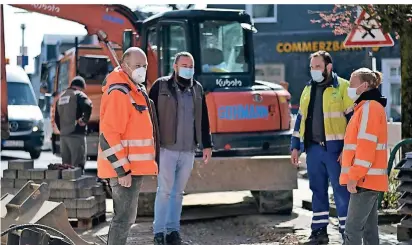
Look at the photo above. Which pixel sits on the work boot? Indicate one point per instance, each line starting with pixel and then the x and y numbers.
pixel 174 238
pixel 159 239
pixel 318 237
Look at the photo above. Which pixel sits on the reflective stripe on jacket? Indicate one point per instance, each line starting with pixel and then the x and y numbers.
pixel 126 142
pixel 337 110
pixel 364 157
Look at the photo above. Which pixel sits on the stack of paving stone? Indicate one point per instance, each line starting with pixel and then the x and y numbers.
pixel 404 229
pixel 83 197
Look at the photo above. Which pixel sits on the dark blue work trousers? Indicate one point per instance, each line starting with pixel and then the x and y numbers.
pixel 323 166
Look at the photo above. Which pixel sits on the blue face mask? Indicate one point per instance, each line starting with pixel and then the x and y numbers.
pixel 186 73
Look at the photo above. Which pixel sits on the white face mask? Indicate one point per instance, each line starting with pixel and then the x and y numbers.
pixel 317 75
pixel 139 75
pixel 352 94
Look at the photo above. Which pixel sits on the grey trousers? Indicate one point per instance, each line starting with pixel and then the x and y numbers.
pixel 362 219
pixel 125 210
pixel 73 150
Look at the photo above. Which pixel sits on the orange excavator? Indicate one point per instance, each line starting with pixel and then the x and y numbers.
pixel 247 117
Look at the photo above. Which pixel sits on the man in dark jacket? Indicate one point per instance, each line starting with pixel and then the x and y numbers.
pixel 184 124
pixel 73 110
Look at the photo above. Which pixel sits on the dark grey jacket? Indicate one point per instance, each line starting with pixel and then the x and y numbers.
pixel 71 106
pixel 164 97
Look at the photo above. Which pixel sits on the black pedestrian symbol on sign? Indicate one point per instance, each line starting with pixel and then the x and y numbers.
pixel 368 30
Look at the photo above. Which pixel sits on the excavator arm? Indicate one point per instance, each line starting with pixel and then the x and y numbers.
pixel 106 21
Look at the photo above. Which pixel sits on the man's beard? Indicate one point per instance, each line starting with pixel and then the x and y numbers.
pixel 184 82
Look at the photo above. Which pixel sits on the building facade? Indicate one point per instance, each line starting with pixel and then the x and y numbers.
pixel 286 37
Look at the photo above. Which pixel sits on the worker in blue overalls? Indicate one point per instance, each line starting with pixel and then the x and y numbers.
pixel 324 112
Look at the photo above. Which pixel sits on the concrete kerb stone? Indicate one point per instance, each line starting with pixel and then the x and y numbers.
pixel 19 183
pixel 85 192
pixel 20 164
pixel 71 212
pixel 53 174
pixel 7 183
pixel 70 204
pixel 86 203
pixel 71 174
pixel 10 174
pixel 69 184
pixel 23 174
pixel 56 199
pixel 12 191
pixel 63 193
pixel 37 174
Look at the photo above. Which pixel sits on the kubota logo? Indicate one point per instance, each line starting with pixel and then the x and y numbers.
pixel 47 7
pixel 228 83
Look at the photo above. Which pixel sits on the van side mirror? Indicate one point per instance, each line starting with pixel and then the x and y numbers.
pixel 127 39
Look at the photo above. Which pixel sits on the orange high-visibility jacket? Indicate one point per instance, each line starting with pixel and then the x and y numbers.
pixel 126 141
pixel 364 157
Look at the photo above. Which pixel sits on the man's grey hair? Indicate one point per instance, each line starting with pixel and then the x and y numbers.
pixel 183 54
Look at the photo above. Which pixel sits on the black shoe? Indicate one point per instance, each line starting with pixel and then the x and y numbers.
pixel 173 238
pixel 318 237
pixel 159 239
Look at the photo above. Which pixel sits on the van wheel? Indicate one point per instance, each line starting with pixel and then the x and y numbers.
pixel 35 154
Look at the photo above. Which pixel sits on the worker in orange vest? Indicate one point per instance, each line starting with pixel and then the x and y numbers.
pixel 364 159
pixel 127 140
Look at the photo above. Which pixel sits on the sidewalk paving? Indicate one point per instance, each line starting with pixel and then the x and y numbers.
pixel 249 229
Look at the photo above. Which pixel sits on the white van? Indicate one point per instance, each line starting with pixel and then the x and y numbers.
pixel 25 117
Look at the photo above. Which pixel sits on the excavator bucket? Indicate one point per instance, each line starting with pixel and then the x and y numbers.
pixel 30 206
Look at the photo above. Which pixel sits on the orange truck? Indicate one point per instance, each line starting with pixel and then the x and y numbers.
pixel 90 62
pixel 247 117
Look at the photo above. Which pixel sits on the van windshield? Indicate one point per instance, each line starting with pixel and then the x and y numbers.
pixel 20 94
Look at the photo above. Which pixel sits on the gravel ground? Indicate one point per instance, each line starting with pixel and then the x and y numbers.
pixel 242 230
pixel 237 231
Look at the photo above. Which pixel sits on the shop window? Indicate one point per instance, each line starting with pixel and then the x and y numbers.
pixel 395 71
pixel 274 73
pixel 262 13
pixel 396 94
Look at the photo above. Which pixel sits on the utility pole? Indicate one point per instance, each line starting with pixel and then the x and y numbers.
pixel 23 54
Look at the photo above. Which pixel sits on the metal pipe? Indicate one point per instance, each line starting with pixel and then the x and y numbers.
pixel 76 54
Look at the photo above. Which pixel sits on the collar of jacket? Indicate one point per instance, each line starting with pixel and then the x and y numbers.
pixel 133 86
pixel 373 94
pixel 335 82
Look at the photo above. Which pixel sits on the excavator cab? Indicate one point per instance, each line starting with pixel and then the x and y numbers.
pixel 219 41
pixel 244 114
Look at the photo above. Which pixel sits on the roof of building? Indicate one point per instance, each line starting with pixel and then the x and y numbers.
pixel 53 39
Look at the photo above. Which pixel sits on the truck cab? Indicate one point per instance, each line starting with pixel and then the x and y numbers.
pixel 25 117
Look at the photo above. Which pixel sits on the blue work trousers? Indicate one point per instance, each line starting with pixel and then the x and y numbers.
pixel 323 166
pixel 175 170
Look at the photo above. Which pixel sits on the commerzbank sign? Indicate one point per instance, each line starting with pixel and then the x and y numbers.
pixel 313 46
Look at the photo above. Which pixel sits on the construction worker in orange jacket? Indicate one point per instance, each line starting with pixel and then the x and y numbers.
pixel 127 140
pixel 364 159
